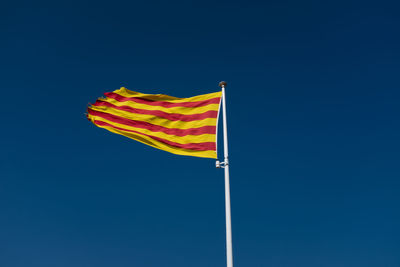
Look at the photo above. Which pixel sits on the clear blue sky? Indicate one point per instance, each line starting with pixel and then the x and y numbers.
pixel 313 116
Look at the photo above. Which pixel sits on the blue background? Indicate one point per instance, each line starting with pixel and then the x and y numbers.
pixel 313 116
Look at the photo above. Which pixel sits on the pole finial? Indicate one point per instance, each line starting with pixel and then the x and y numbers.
pixel 222 84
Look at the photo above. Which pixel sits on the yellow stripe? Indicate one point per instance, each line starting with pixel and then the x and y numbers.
pixel 156 120
pixel 160 97
pixel 187 139
pixel 178 110
pixel 154 143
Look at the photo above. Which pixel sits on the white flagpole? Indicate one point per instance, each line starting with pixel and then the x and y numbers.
pixel 229 256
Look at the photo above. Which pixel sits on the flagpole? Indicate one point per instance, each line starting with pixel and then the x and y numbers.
pixel 229 254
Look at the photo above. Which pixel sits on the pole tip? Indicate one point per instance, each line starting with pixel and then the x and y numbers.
pixel 222 84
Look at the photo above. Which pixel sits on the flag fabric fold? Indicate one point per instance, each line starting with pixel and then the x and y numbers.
pixel 183 126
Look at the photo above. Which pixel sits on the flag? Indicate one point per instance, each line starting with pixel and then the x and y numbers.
pixel 183 126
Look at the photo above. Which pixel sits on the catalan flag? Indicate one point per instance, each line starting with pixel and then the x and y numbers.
pixel 184 126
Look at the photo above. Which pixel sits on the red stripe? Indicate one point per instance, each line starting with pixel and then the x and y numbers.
pixel 162 114
pixel 192 146
pixel 165 104
pixel 152 127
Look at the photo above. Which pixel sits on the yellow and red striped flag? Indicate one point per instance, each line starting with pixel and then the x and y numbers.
pixel 184 126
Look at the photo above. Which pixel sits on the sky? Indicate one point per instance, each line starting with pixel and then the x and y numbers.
pixel 313 115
